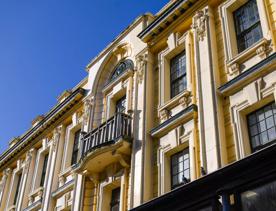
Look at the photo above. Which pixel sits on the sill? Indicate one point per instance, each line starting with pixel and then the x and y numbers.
pixel 67 172
pixel 38 193
pixel 260 48
pixel 184 99
pixel 63 189
pixel 263 146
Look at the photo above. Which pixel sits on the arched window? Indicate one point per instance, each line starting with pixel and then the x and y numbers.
pixel 121 68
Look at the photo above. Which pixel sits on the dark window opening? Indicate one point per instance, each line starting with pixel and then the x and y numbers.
pixel 121 68
pixel 247 25
pixel 44 169
pixel 75 147
pixel 180 168
pixel 262 198
pixel 178 74
pixel 17 188
pixel 121 105
pixel 115 200
pixel 262 127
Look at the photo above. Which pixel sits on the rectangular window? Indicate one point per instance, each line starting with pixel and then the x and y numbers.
pixel 75 147
pixel 178 74
pixel 115 200
pixel 262 198
pixel 121 105
pixel 262 127
pixel 180 168
pixel 247 25
pixel 44 169
pixel 17 188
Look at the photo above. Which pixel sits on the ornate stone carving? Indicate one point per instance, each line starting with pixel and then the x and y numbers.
pixel 28 159
pixel 56 136
pixel 88 104
pixel 234 69
pixel 5 176
pixel 141 62
pixel 199 24
pixel 122 51
pixel 186 99
pixel 164 114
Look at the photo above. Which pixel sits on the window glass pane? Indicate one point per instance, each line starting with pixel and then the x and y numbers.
pixel 261 126
pixel 75 147
pixel 247 25
pixel 44 169
pixel 178 74
pixel 115 199
pixel 180 168
pixel 260 199
pixel 270 122
pixel 272 134
pixel 17 188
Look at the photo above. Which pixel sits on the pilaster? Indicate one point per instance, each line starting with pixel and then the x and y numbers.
pixel 55 156
pixel 211 135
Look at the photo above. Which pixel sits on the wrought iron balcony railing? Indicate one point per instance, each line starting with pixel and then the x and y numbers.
pixel 118 126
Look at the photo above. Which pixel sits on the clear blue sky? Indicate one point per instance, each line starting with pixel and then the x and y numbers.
pixel 45 46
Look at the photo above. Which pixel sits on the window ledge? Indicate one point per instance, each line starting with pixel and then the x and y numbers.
pixel 184 115
pixel 36 195
pixel 63 175
pixel 260 48
pixel 183 99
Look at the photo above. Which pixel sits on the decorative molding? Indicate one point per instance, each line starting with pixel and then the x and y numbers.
pixel 88 105
pixel 186 99
pixel 141 62
pixel 28 159
pixel 199 23
pixel 122 51
pixel 4 178
pixel 56 136
pixel 234 69
pixel 164 114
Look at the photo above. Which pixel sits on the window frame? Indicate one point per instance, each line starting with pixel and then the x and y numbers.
pixel 242 34
pixel 175 61
pixel 75 148
pixel 44 170
pixel 18 185
pixel 183 152
pixel 273 115
pixel 115 202
pixel 234 59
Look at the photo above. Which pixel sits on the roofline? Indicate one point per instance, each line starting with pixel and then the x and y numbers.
pixel 170 9
pixel 72 99
pixel 120 36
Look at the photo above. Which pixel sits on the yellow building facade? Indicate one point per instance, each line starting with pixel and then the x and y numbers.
pixel 177 113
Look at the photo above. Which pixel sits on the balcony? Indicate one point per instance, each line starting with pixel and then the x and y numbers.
pixel 108 143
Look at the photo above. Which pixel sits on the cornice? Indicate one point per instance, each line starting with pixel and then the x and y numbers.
pixel 165 18
pixel 246 77
pixel 54 114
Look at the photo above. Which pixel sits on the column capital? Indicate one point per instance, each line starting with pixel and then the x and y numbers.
pixel 199 23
